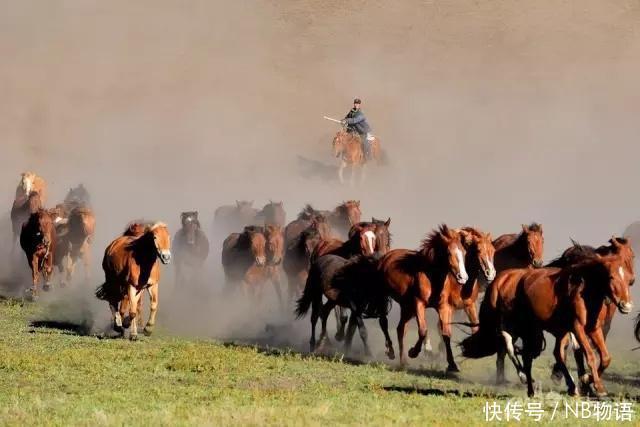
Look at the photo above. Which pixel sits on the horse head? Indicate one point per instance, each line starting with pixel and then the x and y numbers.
pixel 27 180
pixel 257 245
pixel 190 225
pixel 535 243
pixel 452 243
pixel 480 246
pixel 161 241
pixel 383 236
pixel 274 244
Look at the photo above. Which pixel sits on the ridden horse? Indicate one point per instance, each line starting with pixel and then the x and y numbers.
pixel 348 148
pixel 38 241
pixel 75 235
pixel 77 196
pixel 190 246
pixel 272 214
pixel 345 283
pixel 297 257
pixel 559 301
pixel 579 253
pixel 22 208
pixel 31 183
pixel 520 250
pixel 411 279
pixel 229 218
pixel 131 264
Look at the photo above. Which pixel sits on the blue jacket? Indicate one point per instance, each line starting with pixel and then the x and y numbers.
pixel 357 122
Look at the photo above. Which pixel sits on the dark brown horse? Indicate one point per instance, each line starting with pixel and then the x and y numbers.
pixel 23 207
pixel 411 278
pixel 351 284
pixel 343 217
pixel 520 250
pixel 77 197
pixel 241 252
pixel 298 255
pixel 190 248
pixel 305 218
pixel 380 229
pixel 272 214
pixel 559 301
pixel 38 241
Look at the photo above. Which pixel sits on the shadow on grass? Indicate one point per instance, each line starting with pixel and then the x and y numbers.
pixel 69 328
pixel 622 379
pixel 447 392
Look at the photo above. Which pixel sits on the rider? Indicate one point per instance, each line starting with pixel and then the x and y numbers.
pixel 356 122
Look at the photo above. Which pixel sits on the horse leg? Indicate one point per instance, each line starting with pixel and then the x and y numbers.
pixel 422 328
pixel 362 329
pixel 527 359
pixel 275 280
pixel 591 358
pixel 401 330
pixel 384 325
pixel 115 314
pixel 316 307
pixel 153 309
pixel 500 378
pixel 350 331
pixel 583 377
pixel 35 267
pixel 86 261
pixel 598 338
pixel 472 314
pixel 560 355
pixel 341 321
pixel 343 164
pixel 324 315
pixel 133 312
pixel 444 312
pixel 507 346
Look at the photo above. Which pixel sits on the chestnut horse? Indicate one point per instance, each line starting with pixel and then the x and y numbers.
pixel 31 183
pixel 298 253
pixel 38 241
pixel 272 214
pixel 413 278
pixel 191 247
pixel 347 146
pixel 343 217
pixel 380 229
pixel 580 253
pixel 22 208
pixel 241 254
pixel 555 300
pixel 130 266
pixel 75 235
pixel 308 214
pixel 520 250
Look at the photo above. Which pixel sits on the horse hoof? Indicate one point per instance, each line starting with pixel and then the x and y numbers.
pixel 573 392
pixel 133 338
pixel 126 322
pixel 556 377
pixel 46 288
pixel 148 330
pixel 118 329
pixel 413 352
pixel 452 369
pixel 391 354
pixel 339 336
pixel 530 394
pixel 601 394
pixel 523 377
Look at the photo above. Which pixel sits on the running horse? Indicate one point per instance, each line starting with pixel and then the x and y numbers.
pixel 347 146
pixel 131 264
pixel 411 278
pixel 343 217
pixel 23 207
pixel 272 214
pixel 520 250
pixel 77 197
pixel 557 300
pixel 75 236
pixel 190 247
pixel 230 218
pixel 38 241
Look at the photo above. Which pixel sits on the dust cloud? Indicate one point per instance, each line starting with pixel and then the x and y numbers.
pixel 492 114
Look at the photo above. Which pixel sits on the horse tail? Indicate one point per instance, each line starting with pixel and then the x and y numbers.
pixel 312 291
pixel 106 293
pixel 485 341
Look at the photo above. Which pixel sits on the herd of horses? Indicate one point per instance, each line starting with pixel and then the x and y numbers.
pixel 336 262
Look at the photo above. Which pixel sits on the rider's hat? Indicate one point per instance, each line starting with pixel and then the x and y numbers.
pixel 357 101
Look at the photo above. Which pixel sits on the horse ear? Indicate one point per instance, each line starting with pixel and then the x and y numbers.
pixel 525 227
pixel 387 222
pixel 614 242
pixel 358 203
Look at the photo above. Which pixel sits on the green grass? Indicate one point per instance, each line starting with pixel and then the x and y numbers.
pixel 53 376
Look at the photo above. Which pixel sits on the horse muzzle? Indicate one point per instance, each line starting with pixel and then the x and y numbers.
pixel 537 263
pixel 490 274
pixel 625 307
pixel 462 278
pixel 165 256
pixel 261 260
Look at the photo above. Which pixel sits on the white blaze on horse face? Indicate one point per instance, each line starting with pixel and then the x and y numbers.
pixel 492 269
pixel 621 272
pixel 27 184
pixel 463 276
pixel 371 240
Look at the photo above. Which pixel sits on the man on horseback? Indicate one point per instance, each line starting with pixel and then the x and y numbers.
pixel 356 122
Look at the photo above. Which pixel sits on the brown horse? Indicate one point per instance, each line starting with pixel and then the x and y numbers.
pixel 75 235
pixel 130 266
pixel 258 275
pixel 580 253
pixel 38 241
pixel 345 283
pixel 558 301
pixel 77 197
pixel 298 254
pixel 520 250
pixel 22 208
pixel 380 230
pixel 304 220
pixel 230 218
pixel 272 214
pixel 190 248
pixel 343 217
pixel 348 148
pixel 411 279
pixel 240 253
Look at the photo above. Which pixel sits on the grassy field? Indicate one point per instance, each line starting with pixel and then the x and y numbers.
pixel 54 374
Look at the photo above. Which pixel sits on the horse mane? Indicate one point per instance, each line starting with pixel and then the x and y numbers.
pixel 576 253
pixel 308 213
pixel 144 225
pixel 432 242
pixel 534 226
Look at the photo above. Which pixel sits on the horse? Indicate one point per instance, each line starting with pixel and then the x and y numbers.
pixel 345 283
pixel 559 301
pixel 31 183
pixel 411 279
pixel 343 217
pixel 240 253
pixel 579 253
pixel 520 250
pixel 380 229
pixel 272 214
pixel 190 246
pixel 23 207
pixel 348 148
pixel 38 241
pixel 229 218
pixel 75 235
pixel 77 196
pixel 297 257
pixel 131 264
